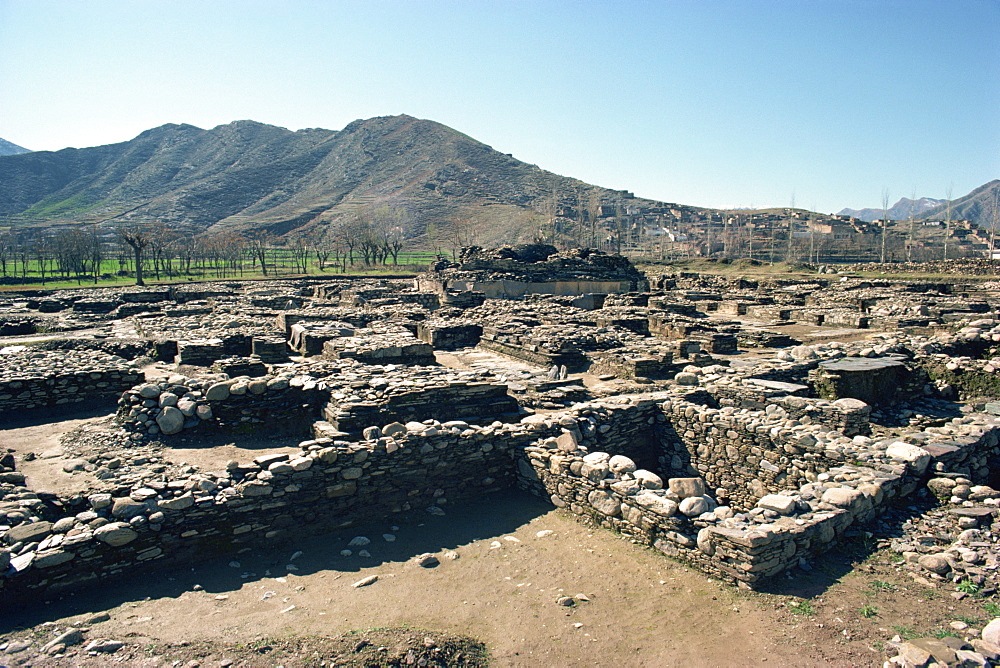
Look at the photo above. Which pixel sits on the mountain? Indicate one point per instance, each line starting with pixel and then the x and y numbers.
pixel 977 206
pixel 10 148
pixel 248 176
pixel 901 210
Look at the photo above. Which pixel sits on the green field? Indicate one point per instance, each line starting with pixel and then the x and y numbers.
pixel 280 263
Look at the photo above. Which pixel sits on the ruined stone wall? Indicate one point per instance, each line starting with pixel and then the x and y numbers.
pixel 780 529
pixel 239 406
pixel 565 456
pixel 39 379
pixel 329 485
pixel 742 454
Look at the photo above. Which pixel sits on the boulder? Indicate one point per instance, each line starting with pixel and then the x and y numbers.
pixel 686 487
pixel 842 497
pixel 693 506
pixel 115 534
pixel 916 457
pixel 29 533
pixel 620 464
pixel 991 632
pixel 604 503
pixel 648 479
pixel 656 503
pixel 779 503
pixel 686 378
pixel 126 508
pixel 170 420
pixel 218 392
pixel 935 563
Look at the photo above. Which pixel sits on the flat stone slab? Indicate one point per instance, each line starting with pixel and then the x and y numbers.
pixel 862 363
pixel 789 388
pixel 973 512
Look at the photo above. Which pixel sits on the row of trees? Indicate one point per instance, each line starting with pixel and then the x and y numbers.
pixel 147 249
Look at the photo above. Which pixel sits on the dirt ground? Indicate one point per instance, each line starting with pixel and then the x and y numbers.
pixel 502 589
pixel 633 607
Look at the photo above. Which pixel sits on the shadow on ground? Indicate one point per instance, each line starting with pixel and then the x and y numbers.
pixel 39 416
pixel 416 533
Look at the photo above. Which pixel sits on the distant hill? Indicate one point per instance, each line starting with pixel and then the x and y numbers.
pixel 250 176
pixel 10 148
pixel 977 206
pixel 901 210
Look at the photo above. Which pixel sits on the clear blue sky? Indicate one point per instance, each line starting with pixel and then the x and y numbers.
pixel 706 102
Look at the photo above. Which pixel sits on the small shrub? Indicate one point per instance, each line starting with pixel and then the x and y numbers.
pixel 868 611
pixel 802 607
pixel 967 587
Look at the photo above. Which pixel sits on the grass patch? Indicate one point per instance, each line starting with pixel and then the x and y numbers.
pixel 802 607
pixel 868 611
pixel 882 585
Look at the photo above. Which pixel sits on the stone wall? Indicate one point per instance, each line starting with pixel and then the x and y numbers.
pixel 241 405
pixel 37 379
pixel 327 485
pixel 611 460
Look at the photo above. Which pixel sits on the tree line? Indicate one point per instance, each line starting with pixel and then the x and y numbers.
pixel 153 250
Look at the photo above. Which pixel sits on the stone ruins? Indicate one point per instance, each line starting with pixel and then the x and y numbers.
pixel 741 426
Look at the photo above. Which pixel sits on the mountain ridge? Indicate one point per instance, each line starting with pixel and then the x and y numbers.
pixel 10 148
pixel 901 210
pixel 980 206
pixel 250 176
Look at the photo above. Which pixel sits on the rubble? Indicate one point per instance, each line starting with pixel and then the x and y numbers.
pixel 687 417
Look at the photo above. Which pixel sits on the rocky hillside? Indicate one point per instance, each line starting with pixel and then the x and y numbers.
pixel 977 206
pixel 10 148
pixel 901 210
pixel 249 176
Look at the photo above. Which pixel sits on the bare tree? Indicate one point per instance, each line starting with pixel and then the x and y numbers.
pixel 885 221
pixel 136 236
pixel 6 246
pixel 947 223
pixel 258 244
pixel 912 232
pixel 301 248
pixel 321 245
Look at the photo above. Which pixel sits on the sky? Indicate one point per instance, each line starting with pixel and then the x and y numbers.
pixel 820 104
